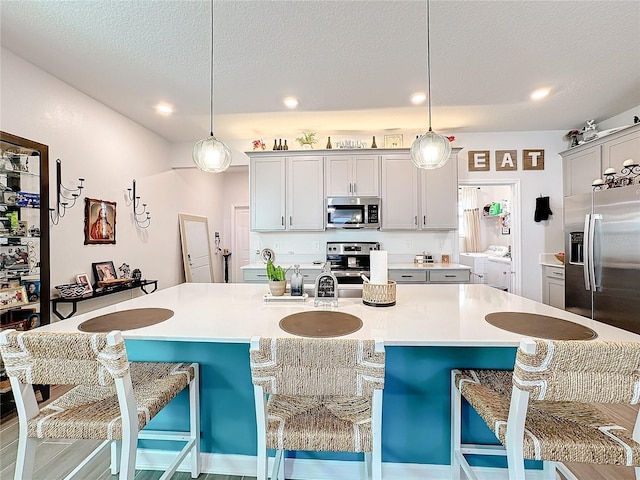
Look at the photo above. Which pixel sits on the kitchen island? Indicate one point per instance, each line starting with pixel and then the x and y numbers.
pixel 431 329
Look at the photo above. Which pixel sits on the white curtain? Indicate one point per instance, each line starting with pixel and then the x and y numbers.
pixel 471 219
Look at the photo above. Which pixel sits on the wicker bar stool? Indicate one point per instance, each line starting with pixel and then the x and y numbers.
pixel 112 400
pixel 544 409
pixel 318 394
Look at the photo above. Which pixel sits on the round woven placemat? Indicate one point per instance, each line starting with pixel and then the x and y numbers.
pixel 320 324
pixel 126 320
pixel 540 326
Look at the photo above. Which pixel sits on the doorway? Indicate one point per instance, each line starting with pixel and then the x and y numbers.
pixel 240 220
pixel 499 205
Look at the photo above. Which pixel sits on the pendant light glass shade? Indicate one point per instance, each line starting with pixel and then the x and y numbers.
pixel 430 150
pixel 211 155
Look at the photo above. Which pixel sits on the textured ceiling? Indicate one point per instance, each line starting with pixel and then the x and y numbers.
pixel 352 64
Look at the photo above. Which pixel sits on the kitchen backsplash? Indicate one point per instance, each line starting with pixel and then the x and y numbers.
pixel 297 247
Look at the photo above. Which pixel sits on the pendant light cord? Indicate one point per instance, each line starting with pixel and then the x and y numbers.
pixel 211 110
pixel 428 66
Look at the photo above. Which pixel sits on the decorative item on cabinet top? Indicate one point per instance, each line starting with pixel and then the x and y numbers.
pixel 142 218
pixel 628 173
pixel 307 140
pixel 65 197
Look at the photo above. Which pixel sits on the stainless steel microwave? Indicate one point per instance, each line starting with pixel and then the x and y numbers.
pixel 353 212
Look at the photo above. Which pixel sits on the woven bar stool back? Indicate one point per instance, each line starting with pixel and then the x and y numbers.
pixel 112 399
pixel 318 394
pixel 545 408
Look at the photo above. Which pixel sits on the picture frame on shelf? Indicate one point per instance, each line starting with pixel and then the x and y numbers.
pixel 33 290
pixel 104 271
pixel 24 315
pixel 393 141
pixel 13 297
pixel 83 278
pixel 99 222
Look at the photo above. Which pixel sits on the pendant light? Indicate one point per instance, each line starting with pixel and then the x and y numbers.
pixel 430 150
pixel 210 154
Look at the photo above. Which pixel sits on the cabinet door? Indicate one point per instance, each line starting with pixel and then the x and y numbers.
pixel 556 293
pixel 267 193
pixel 305 195
pixel 580 169
pixel 366 175
pixel 439 196
pixel 399 193
pixel 617 150
pixel 408 276
pixel 338 176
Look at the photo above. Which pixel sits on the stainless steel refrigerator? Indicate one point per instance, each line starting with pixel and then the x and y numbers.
pixel 602 256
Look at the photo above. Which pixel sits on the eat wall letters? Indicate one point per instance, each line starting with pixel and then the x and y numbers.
pixel 505 160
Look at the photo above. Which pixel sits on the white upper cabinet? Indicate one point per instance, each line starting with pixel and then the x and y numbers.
pixel 352 175
pixel 619 149
pixel 286 193
pixel 415 199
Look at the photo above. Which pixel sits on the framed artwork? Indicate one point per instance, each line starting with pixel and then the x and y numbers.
pixel 83 278
pixel 392 141
pixel 99 222
pixel 104 271
pixel 13 297
pixel 506 231
pixel 33 290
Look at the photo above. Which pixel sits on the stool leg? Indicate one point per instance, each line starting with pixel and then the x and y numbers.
pixel 456 428
pixel 368 464
pixel 194 422
pixel 25 460
pixel 116 454
pixel 128 460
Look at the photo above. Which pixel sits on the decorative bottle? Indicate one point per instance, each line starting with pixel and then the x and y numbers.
pixel 329 144
pixel 280 145
pixel 286 147
pixel 373 143
pixel 275 144
pixel 297 287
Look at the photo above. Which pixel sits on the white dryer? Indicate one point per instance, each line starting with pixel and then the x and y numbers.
pixel 499 272
pixel 478 261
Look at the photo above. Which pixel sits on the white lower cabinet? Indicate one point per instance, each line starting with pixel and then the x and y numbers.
pixel 553 286
pixel 287 193
pixel 430 275
pixel 408 276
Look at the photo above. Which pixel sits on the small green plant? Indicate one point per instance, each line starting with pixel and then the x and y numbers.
pixel 275 273
pixel 307 138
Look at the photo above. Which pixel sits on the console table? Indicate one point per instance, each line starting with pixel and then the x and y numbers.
pixel 143 284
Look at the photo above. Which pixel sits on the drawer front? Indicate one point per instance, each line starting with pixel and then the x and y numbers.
pixel 449 276
pixel 557 273
pixel 408 276
pixel 255 275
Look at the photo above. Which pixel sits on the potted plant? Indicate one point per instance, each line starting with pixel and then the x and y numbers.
pixel 307 140
pixel 277 279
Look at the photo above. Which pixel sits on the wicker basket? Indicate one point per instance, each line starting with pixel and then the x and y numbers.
pixel 71 290
pixel 376 295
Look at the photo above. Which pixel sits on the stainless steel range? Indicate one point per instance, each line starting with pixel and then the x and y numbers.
pixel 350 260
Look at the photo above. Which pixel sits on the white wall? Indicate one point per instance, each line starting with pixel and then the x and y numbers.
pixel 109 151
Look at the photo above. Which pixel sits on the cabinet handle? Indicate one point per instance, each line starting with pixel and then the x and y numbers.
pixel 282 220
pixel 449 276
pixel 424 220
pixel 354 188
pixel 261 275
pixel 290 220
pixel 415 220
pixel 557 274
pixel 350 191
pixel 406 276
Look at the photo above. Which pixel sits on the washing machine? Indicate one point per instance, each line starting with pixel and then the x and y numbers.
pixel 499 272
pixel 478 261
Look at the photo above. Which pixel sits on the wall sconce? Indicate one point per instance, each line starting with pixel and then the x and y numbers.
pixel 142 218
pixel 628 173
pixel 65 197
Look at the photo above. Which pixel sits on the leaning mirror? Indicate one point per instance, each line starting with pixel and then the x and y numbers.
pixel 196 251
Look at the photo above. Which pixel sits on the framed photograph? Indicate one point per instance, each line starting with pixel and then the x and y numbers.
pixel 25 315
pixel 506 231
pixel 33 290
pixel 393 141
pixel 104 271
pixel 13 297
pixel 99 222
pixel 83 278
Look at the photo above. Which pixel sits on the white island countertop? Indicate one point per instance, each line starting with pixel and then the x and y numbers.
pixel 424 315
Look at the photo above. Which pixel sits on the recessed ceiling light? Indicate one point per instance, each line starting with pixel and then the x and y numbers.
pixel 164 109
pixel 291 102
pixel 540 93
pixel 418 98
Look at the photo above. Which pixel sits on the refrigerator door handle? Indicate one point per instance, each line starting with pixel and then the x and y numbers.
pixel 591 251
pixel 585 249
